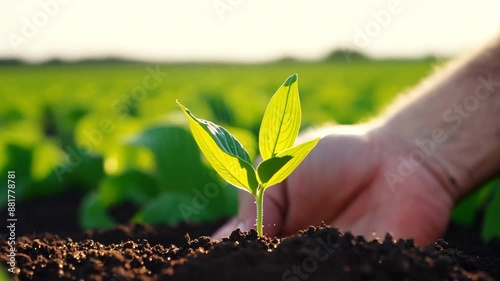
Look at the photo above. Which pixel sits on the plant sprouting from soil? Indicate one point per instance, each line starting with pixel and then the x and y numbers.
pixel 278 132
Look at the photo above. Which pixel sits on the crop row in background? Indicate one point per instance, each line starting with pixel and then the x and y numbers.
pixel 114 132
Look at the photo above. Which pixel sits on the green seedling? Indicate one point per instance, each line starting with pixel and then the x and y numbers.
pixel 278 132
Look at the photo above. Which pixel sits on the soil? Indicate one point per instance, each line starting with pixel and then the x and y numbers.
pixel 144 252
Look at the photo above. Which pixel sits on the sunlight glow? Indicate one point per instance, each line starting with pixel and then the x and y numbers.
pixel 241 30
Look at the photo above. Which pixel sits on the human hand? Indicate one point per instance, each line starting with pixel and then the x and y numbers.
pixel 343 183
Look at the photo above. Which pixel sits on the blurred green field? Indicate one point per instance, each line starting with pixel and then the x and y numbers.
pixel 66 100
pixel 96 128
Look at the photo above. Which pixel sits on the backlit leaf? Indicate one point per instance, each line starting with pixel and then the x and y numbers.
pixel 271 166
pixel 290 159
pixel 223 151
pixel 281 122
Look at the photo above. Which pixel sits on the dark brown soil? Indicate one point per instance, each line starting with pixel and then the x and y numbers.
pixel 315 254
pixel 142 252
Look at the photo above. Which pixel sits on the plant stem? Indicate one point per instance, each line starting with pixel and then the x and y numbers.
pixel 259 200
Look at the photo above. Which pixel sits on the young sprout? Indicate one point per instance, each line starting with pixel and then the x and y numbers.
pixel 278 132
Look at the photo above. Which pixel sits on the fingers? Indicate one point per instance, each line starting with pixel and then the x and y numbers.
pixel 274 208
pixel 407 213
pixel 244 220
pixel 230 226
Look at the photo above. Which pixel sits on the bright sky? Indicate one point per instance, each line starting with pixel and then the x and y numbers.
pixel 241 30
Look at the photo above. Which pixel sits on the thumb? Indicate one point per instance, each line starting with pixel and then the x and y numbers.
pixel 231 225
pixel 246 218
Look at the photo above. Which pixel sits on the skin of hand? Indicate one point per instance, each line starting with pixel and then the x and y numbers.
pixel 342 183
pixel 403 172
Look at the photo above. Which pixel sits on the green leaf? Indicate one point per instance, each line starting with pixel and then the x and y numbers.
pixel 281 122
pixel 224 140
pixel 224 152
pixel 3 274
pixel 467 210
pixel 270 173
pixel 163 209
pixel 132 185
pixel 90 169
pixel 491 227
pixel 271 166
pixel 176 156
pixel 46 155
pixel 19 159
pixel 173 208
pixel 93 214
